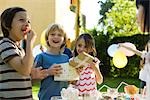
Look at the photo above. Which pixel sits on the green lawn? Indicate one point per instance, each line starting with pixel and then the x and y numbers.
pixel 35 90
pixel 114 83
pixel 111 82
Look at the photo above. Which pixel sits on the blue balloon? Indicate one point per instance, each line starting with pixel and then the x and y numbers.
pixel 112 49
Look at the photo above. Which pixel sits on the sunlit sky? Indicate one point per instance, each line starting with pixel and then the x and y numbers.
pixel 90 8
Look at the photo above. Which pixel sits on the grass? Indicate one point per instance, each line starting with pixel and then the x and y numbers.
pixel 35 89
pixel 114 83
pixel 111 82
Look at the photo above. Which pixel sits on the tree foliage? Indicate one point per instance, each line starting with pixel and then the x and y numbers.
pixel 105 6
pixel 121 19
pixel 118 25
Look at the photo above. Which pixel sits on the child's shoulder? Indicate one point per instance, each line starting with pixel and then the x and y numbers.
pixel 6 43
pixel 1 41
pixel 65 55
pixel 4 40
pixel 40 55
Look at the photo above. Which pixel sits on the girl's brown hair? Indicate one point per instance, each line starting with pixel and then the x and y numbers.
pixel 89 43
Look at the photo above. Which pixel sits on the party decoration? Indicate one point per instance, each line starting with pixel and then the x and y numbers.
pixel 38 49
pixel 126 51
pixel 131 90
pixel 112 49
pixel 119 59
pixel 42 39
pixel 69 93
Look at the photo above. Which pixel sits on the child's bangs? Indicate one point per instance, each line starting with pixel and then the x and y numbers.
pixel 57 28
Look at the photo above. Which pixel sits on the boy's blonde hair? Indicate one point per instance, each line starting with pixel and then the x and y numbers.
pixel 52 28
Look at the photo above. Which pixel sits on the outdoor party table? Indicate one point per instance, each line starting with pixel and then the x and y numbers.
pixel 104 97
pixel 120 96
pixel 111 94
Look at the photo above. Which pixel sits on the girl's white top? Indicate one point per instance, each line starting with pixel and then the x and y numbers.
pixel 146 55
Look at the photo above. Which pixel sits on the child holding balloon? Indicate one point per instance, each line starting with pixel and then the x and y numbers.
pixel 89 74
pixel 143 20
pixel 143 64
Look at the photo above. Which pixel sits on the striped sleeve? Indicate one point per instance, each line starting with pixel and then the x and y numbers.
pixel 7 50
pixel 13 86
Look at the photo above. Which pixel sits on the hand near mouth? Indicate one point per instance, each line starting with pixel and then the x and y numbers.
pixel 26 30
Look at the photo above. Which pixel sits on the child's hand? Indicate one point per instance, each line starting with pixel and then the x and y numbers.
pixel 26 30
pixel 79 69
pixel 73 82
pixel 31 36
pixel 54 70
pixel 73 63
pixel 38 73
pixel 95 63
pixel 96 69
pixel 120 44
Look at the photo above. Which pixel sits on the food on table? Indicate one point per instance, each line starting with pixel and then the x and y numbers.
pixel 131 89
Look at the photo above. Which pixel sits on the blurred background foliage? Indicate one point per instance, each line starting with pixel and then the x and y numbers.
pixel 117 24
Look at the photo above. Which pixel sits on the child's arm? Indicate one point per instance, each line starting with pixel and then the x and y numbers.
pixel 54 70
pixel 24 65
pixel 38 73
pixel 99 77
pixel 137 52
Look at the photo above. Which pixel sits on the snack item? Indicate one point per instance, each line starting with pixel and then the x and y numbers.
pixel 25 30
pixel 81 59
pixel 69 73
pixel 70 93
pixel 106 98
pixel 131 89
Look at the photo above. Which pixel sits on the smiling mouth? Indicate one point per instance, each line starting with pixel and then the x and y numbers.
pixel 26 30
pixel 55 41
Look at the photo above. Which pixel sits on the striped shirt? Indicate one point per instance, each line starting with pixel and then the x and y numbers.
pixel 13 86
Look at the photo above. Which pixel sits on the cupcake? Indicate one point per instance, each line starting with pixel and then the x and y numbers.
pixel 131 89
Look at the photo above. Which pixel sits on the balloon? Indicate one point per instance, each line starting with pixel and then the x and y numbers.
pixel 119 59
pixel 42 39
pixel 126 51
pixel 112 49
pixel 37 50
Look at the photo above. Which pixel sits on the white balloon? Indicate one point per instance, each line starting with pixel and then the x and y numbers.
pixel 112 49
pixel 37 50
pixel 126 51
